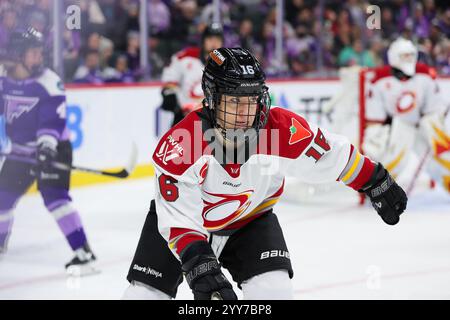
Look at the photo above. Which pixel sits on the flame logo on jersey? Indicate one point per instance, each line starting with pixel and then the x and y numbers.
pixel 16 106
pixel 406 101
pixel 441 142
pixel 227 209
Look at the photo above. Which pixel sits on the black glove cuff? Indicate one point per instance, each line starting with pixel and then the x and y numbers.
pixel 170 100
pixel 198 260
pixel 379 174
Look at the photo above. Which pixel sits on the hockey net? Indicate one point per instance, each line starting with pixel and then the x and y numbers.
pixel 348 109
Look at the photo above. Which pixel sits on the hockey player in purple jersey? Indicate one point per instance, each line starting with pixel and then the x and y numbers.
pixel 33 116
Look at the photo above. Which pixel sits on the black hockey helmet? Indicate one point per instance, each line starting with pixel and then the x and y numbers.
pixel 20 42
pixel 212 30
pixel 234 72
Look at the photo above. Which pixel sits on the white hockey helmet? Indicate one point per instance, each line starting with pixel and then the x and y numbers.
pixel 402 55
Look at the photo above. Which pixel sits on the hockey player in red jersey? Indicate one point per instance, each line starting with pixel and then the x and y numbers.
pixel 220 172
pixel 406 114
pixel 182 78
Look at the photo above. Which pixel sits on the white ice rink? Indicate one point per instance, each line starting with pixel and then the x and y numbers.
pixel 338 250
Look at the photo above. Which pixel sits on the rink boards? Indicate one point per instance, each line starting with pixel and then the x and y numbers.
pixel 105 120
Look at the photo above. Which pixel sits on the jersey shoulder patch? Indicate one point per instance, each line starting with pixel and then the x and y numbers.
pixel 192 52
pixel 181 146
pixel 294 132
pixel 51 83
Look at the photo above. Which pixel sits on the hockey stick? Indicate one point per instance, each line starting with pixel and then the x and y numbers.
pixel 123 173
pixel 418 171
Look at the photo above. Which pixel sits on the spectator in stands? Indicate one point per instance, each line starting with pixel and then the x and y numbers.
pixel 106 52
pixel 246 38
pixel 158 17
pixel 389 29
pixel 7 25
pixel 89 71
pixel 133 53
pixel 421 23
pixel 92 43
pixel 174 24
pixel 71 52
pixel 441 54
pixel 355 55
pixel 121 71
pixel 444 23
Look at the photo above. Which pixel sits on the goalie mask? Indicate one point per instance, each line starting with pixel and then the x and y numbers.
pixel 236 97
pixel 402 55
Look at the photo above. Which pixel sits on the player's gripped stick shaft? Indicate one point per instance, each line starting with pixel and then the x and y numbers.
pixel 122 173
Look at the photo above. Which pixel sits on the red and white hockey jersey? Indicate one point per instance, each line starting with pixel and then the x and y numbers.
pixel 407 99
pixel 196 195
pixel 185 72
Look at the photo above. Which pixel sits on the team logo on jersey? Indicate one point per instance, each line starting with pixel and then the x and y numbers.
pixel 298 132
pixel 169 150
pixel 441 141
pixel 17 106
pixel 234 170
pixel 203 172
pixel 406 101
pixel 223 209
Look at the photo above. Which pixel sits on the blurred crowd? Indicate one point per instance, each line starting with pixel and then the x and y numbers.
pixel 317 40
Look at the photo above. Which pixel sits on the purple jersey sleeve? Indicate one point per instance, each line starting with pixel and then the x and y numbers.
pixel 52 117
pixel 52 109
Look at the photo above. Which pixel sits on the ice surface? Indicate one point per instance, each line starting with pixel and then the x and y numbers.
pixel 338 249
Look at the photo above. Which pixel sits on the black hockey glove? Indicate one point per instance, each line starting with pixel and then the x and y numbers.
pixel 203 273
pixel 45 155
pixel 387 197
pixel 170 100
